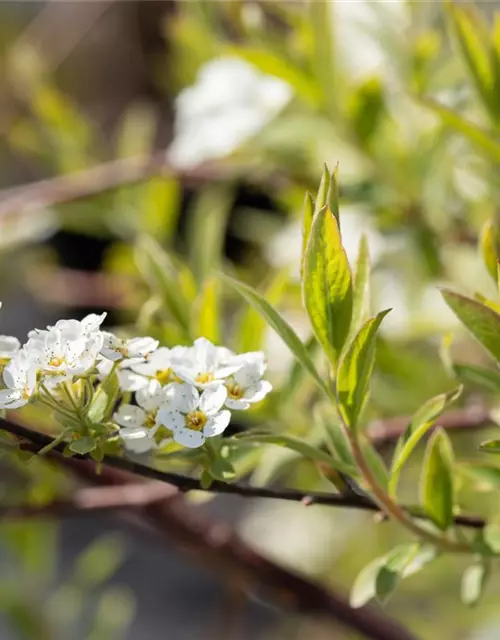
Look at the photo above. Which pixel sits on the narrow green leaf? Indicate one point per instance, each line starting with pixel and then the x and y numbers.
pixel 490 446
pixel 365 585
pixel 361 288
pixel 489 246
pixel 83 445
pixel 322 197
pixel 326 285
pixel 252 326
pixel 281 326
pixel 375 462
pixel 473 38
pixel 480 320
pixel 481 376
pixel 484 477
pixel 335 437
pixel 308 451
pixel 474 580
pixel 207 229
pixel 484 140
pixel 297 371
pixel 104 400
pixel 491 536
pixel 355 369
pixel 420 424
pixel 307 219
pixel 437 480
pixel 158 271
pixel 205 319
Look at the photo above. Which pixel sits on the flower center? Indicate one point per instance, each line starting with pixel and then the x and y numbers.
pixel 56 361
pixel 196 420
pixel 205 378
pixel 164 376
pixel 234 391
pixel 150 420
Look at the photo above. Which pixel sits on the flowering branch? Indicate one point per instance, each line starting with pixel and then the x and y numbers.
pixel 186 483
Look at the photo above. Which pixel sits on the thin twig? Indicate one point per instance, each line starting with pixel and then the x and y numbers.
pixel 187 483
pixel 87 501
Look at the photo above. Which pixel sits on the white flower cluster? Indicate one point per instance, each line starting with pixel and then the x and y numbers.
pixel 183 394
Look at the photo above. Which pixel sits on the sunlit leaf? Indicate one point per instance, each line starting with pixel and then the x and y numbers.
pixel 355 369
pixel 420 424
pixel 326 285
pixel 482 322
pixel 281 326
pixel 481 376
pixel 83 445
pixel 361 287
pixel 474 580
pixel 489 245
pixel 205 317
pixel 437 480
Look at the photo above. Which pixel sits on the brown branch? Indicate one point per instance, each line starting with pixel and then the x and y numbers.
pixel 104 177
pixel 87 501
pixel 384 431
pixel 216 545
pixel 349 500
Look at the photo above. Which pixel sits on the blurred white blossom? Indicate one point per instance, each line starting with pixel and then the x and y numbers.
pixel 230 102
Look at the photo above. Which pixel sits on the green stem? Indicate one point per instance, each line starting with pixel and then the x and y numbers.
pixel 56 406
pixel 391 508
pixel 54 442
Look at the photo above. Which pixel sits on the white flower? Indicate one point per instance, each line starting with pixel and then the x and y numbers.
pixel 115 348
pixel 193 418
pixel 19 377
pixel 9 347
pixel 68 348
pixel 230 102
pixel 206 365
pixel 246 387
pixel 138 424
pixel 159 366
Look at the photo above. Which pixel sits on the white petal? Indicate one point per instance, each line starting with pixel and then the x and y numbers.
pixel 9 346
pixel 141 346
pixel 205 354
pixel 151 396
pixel 217 424
pixel 248 375
pixel 11 399
pixel 137 440
pixel 158 361
pixel 225 370
pixel 186 372
pixel 189 438
pixel 212 399
pixel 92 322
pixel 171 419
pixel 183 397
pixel 130 381
pixel 258 391
pixel 237 405
pixel 128 415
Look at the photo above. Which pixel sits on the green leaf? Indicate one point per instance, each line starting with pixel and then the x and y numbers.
pixel 83 445
pixel 484 477
pixel 297 371
pixel 437 480
pixel 306 450
pixel 99 561
pixel 104 400
pixel 484 140
pixel 281 326
pixel 158 271
pixel 252 326
pixel 491 536
pixel 207 229
pixel 375 462
pixel 480 320
pixel 355 369
pixel 489 246
pixel 474 580
pixel 361 288
pixel 335 437
pixel 481 376
pixel 490 446
pixel 473 38
pixel 205 319
pixel 420 424
pixel 380 577
pixel 307 219
pixel 326 285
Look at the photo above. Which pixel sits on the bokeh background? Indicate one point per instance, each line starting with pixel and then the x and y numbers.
pixel 202 124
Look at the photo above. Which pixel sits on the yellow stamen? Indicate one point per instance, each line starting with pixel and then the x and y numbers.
pixel 205 378
pixel 196 420
pixel 56 362
pixel 164 376
pixel 234 391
